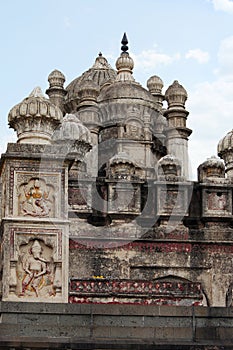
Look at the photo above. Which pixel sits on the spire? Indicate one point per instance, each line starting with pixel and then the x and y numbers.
pixel 124 63
pixel 124 42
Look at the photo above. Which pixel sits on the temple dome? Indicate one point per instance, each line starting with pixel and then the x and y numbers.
pixel 124 86
pixel 100 73
pixel 125 90
pixel 35 118
pixel 72 130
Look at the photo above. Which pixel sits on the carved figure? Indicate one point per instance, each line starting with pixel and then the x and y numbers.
pixel 35 269
pixel 35 199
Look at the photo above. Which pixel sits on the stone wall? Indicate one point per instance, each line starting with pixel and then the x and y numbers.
pixel 60 326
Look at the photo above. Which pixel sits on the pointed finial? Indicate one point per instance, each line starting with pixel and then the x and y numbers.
pixel 37 92
pixel 124 42
pixel 100 54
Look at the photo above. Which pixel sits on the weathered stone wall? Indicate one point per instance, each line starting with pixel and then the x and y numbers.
pixel 47 326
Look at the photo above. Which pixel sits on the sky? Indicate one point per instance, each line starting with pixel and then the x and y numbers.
pixel 186 40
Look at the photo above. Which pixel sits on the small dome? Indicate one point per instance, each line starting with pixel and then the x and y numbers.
pixel 226 143
pixel 72 129
pixel 35 118
pixel 124 65
pixel 121 157
pixel 100 73
pixel 169 166
pixel 89 90
pixel 56 78
pixel 155 84
pixel 128 89
pixel 212 168
pixel 176 95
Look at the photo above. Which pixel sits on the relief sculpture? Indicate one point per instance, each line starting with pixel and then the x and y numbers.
pixel 35 271
pixel 36 198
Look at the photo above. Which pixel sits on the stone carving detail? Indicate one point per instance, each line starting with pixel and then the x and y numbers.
pixel 133 129
pixel 36 198
pixel 157 292
pixel 35 270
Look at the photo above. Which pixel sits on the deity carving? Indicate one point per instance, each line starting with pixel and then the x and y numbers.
pixel 35 271
pixel 36 198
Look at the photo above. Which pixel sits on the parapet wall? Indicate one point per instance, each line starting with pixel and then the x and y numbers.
pixel 91 326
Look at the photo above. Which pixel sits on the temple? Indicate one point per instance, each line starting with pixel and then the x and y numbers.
pixel 106 243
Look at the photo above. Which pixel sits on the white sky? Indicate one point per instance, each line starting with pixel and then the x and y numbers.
pixel 186 40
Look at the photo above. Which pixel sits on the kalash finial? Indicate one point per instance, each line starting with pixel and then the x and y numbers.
pixel 124 42
pixel 124 63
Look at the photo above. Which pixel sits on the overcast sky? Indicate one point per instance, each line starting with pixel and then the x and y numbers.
pixel 186 40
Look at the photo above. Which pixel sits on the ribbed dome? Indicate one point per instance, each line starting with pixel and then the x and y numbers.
pixel 169 165
pixel 155 84
pixel 176 95
pixel 89 90
pixel 226 143
pixel 100 73
pixel 35 118
pixel 56 78
pixel 72 129
pixel 212 168
pixel 213 162
pixel 125 90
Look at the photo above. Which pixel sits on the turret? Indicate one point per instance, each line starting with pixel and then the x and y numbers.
pixel 56 91
pixel 177 132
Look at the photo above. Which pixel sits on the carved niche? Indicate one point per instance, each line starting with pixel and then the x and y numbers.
pixel 37 196
pixel 172 201
pixel 217 202
pixel 35 270
pixel 35 267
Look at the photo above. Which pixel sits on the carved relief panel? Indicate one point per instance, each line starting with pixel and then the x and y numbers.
pixel 217 202
pixel 36 195
pixel 172 200
pixel 124 197
pixel 37 261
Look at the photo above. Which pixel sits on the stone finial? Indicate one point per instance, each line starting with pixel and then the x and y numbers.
pixel 56 91
pixel 169 168
pixel 37 92
pixel 155 84
pixel 176 95
pixel 124 63
pixel 124 42
pixel 211 169
pixel 35 118
pixel 225 151
pixel 101 62
pixel 56 79
pixel 88 92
